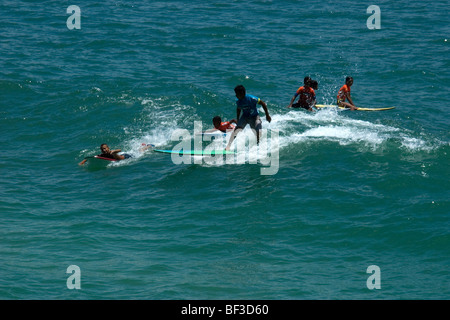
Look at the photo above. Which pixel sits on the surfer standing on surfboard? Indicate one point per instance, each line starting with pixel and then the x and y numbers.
pixel 344 93
pixel 247 104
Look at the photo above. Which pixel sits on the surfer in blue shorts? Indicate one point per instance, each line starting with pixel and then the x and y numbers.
pixel 248 106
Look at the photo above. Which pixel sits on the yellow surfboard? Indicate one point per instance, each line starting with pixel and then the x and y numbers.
pixel 358 109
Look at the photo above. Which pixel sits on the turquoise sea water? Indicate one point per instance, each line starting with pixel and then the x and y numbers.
pixel 353 189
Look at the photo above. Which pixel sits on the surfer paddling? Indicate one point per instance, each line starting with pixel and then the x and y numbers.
pixel 247 104
pixel 222 126
pixel 344 93
pixel 110 154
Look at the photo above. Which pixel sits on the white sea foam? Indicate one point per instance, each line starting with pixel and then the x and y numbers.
pixel 162 116
pixel 159 118
pixel 298 127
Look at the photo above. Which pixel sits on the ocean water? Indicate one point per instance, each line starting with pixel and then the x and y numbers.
pixel 349 190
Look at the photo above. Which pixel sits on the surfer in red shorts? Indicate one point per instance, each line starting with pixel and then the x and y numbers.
pixel 344 93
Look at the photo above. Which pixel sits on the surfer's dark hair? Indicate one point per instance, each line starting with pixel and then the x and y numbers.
pixel 307 80
pixel 348 79
pixel 239 89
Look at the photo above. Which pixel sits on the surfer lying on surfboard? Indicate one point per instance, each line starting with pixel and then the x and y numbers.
pixel 110 154
pixel 344 93
pixel 222 126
